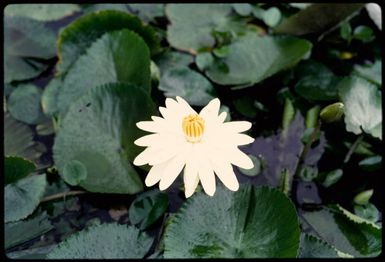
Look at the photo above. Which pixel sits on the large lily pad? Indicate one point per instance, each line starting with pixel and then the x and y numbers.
pixel 253 58
pixel 363 107
pixel 317 18
pixel 17 168
pixel 27 44
pixel 192 25
pixel 42 12
pixel 22 197
pixel 98 131
pixel 232 225
pixel 120 56
pixel 75 39
pixel 105 241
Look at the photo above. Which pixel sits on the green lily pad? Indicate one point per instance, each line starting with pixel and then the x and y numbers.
pixel 173 59
pixel 77 37
pixel 192 25
pixel 232 225
pixel 120 56
pixel 24 104
pixel 314 247
pixel 50 95
pixel 253 58
pixel 16 233
pixel 105 241
pixel 147 208
pixel 42 12
pixel 22 197
pixel 74 172
pixel 147 11
pixel 18 140
pixel 317 18
pixel 362 102
pixel 27 44
pixel 317 82
pixel 17 168
pixel 184 82
pixel 98 131
pixel 371 72
pixel 368 212
pixel 351 236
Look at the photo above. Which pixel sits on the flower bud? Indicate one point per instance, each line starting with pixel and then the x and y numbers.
pixel 332 112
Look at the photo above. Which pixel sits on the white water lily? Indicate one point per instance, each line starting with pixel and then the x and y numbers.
pixel 202 144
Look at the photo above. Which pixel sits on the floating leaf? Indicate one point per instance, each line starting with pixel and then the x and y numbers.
pixel 120 56
pixel 49 97
pixel 27 44
pixel 16 233
pixel 31 253
pixel 368 212
pixel 173 59
pixel 148 12
pixel 232 225
pixel 243 9
pixel 24 104
pixel 22 197
pixel 362 102
pixel 77 37
pixel 192 25
pixel 98 131
pixel 253 58
pixel 253 171
pixel 204 60
pixel 372 163
pixel 105 241
pixel 184 82
pixel 317 18
pixel 42 12
pixel 74 172
pixel 18 140
pixel 317 82
pixel 147 208
pixel 272 16
pixel 363 33
pixel 314 247
pixel 332 177
pixel 354 237
pixel 17 168
pixel 371 72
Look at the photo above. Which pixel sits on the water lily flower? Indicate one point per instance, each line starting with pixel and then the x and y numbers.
pixel 202 144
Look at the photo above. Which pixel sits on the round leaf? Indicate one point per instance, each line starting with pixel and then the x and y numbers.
pixel 105 241
pixel 21 198
pixel 184 82
pixel 98 131
pixel 363 110
pixel 42 12
pixel 24 104
pixel 74 172
pixel 272 16
pixel 79 35
pixel 363 197
pixel 250 223
pixel 253 58
pixel 26 43
pixel 120 56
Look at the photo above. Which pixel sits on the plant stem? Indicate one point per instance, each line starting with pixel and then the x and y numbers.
pixel 62 195
pixel 353 148
pixel 306 149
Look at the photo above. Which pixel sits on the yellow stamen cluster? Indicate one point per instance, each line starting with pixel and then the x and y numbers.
pixel 193 127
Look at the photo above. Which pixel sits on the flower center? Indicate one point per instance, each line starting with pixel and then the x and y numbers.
pixel 193 127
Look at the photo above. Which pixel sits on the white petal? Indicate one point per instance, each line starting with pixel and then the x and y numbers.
pixel 171 104
pixel 236 126
pixel 172 171
pixel 163 111
pixel 149 126
pixel 222 116
pixel 238 158
pixel 241 139
pixel 147 140
pixel 155 174
pixel 211 109
pixel 164 154
pixel 186 109
pixel 226 174
pixel 145 156
pixel 207 177
pixel 190 178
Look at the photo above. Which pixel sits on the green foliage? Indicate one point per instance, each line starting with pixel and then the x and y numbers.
pixel 42 12
pixel 372 163
pixel 363 197
pixel 27 46
pixel 255 170
pixel 148 12
pixel 332 177
pixel 17 168
pixel 147 208
pixel 20 232
pixel 332 113
pixel 98 131
pixel 49 97
pixel 24 104
pixel 105 241
pixel 368 212
pixel 314 247
pixel 77 37
pixel 231 225
pixel 23 196
pixel 252 58
pixel 119 56
pixel 371 72
pixel 362 102
pixel 74 172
